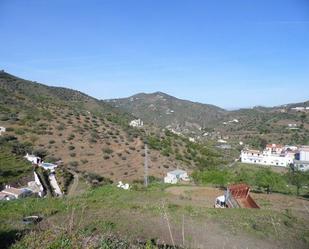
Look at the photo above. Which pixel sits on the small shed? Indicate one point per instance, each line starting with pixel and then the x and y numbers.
pixel 175 176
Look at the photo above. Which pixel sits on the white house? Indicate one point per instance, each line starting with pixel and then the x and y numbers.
pixel 175 176
pixel 299 108
pixel 292 125
pixel 2 130
pixel 222 141
pixel 136 123
pixel 273 154
pixel 33 159
pixel 16 193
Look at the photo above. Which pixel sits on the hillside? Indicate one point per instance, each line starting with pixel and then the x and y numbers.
pixel 88 135
pixel 167 111
pixel 258 126
pixel 159 217
pixel 254 126
pixel 95 144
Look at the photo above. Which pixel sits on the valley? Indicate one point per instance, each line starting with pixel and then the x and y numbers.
pixel 94 145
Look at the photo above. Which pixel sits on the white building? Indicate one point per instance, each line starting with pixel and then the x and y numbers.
pixel 136 123
pixel 48 166
pixel 175 176
pixel 2 130
pixel 15 193
pixel 33 159
pixel 299 108
pixel 54 184
pixel 273 154
pixel 192 139
pixel 302 162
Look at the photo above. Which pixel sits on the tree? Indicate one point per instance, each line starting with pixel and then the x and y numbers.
pixel 269 180
pixel 298 178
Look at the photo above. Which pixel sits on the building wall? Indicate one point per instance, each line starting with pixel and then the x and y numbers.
pixel 304 155
pixel 170 179
pixel 266 159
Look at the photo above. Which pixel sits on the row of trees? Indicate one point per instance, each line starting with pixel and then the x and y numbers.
pixel 261 179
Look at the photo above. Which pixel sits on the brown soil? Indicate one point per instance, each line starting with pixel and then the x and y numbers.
pixel 125 161
pixel 205 197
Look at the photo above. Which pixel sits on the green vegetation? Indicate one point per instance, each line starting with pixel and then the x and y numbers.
pixel 74 221
pixel 64 178
pixel 12 164
pixel 259 178
pixel 12 168
pixel 169 144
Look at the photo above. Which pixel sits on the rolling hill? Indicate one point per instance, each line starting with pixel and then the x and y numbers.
pixel 167 111
pixel 254 126
pixel 88 135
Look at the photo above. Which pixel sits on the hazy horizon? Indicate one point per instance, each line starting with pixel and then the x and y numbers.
pixel 233 54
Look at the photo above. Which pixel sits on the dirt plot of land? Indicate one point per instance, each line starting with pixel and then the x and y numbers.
pixel 201 196
pixel 205 196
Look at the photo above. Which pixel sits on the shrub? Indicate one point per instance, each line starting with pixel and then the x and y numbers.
pixel 73 154
pixel 71 136
pixel 71 147
pixel 216 177
pixel 107 150
pixel 19 131
pixel 92 140
pixel 40 153
pixel 73 163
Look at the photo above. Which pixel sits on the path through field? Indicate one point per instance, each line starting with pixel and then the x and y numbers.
pixel 73 187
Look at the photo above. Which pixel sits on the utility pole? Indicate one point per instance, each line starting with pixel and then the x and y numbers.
pixel 146 166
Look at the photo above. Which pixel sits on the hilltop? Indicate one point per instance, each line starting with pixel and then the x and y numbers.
pixel 167 111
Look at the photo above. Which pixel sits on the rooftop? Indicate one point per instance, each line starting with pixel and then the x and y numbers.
pixel 274 146
pixel 304 148
pixel 177 172
pixel 13 191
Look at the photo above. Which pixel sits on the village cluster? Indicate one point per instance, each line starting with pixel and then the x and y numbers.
pixel 34 188
pixel 278 155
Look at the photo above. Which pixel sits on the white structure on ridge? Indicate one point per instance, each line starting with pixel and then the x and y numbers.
pixel 136 123
pixel 273 154
pixel 175 176
pixel 2 129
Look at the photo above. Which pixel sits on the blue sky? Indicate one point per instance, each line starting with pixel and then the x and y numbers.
pixel 236 53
